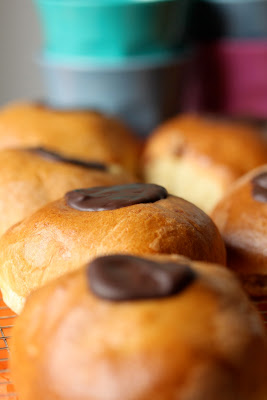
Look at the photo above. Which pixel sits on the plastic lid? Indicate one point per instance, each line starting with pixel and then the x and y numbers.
pixel 101 2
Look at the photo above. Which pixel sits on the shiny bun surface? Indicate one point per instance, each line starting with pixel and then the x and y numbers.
pixel 201 341
pixel 241 216
pixel 58 238
pixel 31 178
pixel 87 135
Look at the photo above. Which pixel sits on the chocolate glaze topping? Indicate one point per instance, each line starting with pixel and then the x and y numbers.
pixel 259 187
pixel 113 197
pixel 123 277
pixel 53 156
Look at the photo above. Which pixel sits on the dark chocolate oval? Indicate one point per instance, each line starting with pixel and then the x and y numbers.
pixel 259 187
pixel 53 156
pixel 110 198
pixel 123 277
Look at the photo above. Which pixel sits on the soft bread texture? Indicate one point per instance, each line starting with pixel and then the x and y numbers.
pixel 87 135
pixel 58 239
pixel 28 181
pixel 205 343
pixel 197 158
pixel 243 224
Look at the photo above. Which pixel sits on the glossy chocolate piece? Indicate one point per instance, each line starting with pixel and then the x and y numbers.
pixel 53 156
pixel 123 278
pixel 114 197
pixel 259 187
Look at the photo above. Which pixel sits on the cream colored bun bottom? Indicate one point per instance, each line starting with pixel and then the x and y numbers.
pixel 200 184
pixel 14 301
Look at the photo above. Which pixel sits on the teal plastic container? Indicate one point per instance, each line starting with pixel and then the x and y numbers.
pixel 112 29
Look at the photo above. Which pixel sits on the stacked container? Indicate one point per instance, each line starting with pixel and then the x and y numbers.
pixel 231 61
pixel 124 57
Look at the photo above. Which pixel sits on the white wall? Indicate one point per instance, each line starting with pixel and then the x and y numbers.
pixel 19 45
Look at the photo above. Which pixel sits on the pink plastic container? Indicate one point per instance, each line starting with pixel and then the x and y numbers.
pixel 229 76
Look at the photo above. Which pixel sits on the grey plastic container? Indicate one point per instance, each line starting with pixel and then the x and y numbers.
pixel 142 94
pixel 236 19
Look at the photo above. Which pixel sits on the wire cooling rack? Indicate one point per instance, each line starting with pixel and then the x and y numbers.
pixel 7 316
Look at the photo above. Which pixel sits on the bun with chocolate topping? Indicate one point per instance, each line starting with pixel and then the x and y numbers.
pixel 135 218
pixel 197 157
pixel 159 327
pixel 82 134
pixel 241 216
pixel 31 178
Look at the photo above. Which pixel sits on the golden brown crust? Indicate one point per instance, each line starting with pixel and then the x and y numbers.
pixel 237 147
pixel 29 181
pixel 83 134
pixel 205 343
pixel 197 158
pixel 243 224
pixel 58 239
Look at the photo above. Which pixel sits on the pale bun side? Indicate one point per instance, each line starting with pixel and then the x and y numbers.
pixel 198 157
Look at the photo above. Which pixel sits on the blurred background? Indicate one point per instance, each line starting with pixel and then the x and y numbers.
pixel 19 45
pixel 155 58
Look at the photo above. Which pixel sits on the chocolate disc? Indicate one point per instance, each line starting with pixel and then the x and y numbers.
pixel 53 156
pixel 113 197
pixel 259 187
pixel 123 277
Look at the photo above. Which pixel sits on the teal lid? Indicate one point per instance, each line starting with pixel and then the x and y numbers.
pixel 112 29
pixel 98 2
pixel 113 63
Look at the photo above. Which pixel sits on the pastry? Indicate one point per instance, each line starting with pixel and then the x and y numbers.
pixel 87 135
pixel 65 234
pixel 197 157
pixel 30 178
pixel 241 216
pixel 131 328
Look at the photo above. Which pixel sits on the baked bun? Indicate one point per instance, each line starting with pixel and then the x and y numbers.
pixel 161 328
pixel 65 234
pixel 197 157
pixel 87 135
pixel 31 178
pixel 242 219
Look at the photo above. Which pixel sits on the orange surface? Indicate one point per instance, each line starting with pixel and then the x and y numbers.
pixel 7 319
